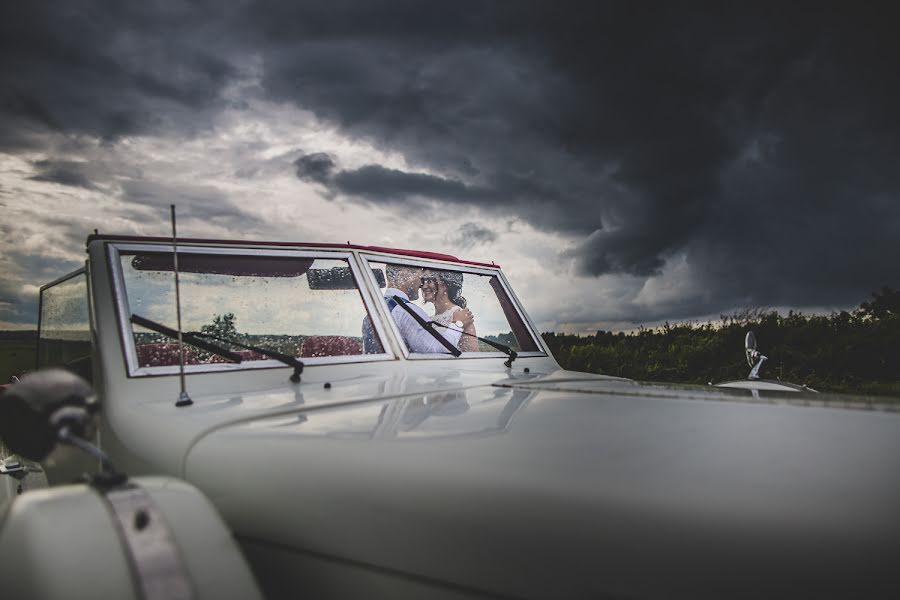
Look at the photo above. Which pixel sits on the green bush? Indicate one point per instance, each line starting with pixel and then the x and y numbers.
pixel 852 352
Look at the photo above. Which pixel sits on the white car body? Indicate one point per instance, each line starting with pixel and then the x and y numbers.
pixel 426 476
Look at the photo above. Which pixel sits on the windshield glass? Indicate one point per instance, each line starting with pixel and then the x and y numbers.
pixel 462 304
pixel 297 305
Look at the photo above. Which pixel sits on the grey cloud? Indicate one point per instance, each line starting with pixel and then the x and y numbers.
pixel 316 167
pixel 62 172
pixel 19 311
pixel 380 184
pixel 56 234
pixel 200 202
pixel 11 293
pixel 470 234
pixel 16 304
pixel 619 251
pixel 57 243
pixel 46 268
pixel 30 108
pixel 107 70
pixel 646 135
pixel 383 185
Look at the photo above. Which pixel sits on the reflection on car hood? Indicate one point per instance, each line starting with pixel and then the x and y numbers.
pixel 757 392
pixel 607 479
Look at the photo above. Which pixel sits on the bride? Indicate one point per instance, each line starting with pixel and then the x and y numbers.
pixel 444 290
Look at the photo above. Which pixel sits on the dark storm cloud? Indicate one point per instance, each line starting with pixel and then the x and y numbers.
pixel 105 69
pixel 316 167
pixel 759 144
pixel 63 172
pixel 756 144
pixel 377 183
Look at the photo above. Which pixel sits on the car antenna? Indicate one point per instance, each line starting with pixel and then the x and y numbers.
pixel 183 398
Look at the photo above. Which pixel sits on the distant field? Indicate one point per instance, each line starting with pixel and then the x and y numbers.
pixel 17 353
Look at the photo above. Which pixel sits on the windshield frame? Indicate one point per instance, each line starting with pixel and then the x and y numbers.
pixel 114 251
pixel 369 257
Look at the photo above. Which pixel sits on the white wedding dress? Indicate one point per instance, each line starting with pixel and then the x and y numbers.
pixel 444 317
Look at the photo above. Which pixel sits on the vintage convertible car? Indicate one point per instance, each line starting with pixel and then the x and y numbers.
pixel 316 436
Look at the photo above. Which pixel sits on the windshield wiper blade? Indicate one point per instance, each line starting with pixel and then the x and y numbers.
pixel 187 338
pixel 283 358
pixel 427 326
pixel 512 354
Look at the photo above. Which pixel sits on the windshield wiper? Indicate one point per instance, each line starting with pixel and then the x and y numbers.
pixel 187 338
pixel 283 358
pixel 427 326
pixel 512 354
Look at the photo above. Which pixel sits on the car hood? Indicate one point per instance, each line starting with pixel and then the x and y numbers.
pixel 572 485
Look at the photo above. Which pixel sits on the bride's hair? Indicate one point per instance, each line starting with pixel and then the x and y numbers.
pixel 454 281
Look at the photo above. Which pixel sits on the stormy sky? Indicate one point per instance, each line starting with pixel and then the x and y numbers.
pixel 625 163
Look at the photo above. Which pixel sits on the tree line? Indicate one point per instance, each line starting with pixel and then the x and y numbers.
pixel 856 352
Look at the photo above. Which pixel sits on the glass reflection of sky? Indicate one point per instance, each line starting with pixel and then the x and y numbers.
pixel 261 305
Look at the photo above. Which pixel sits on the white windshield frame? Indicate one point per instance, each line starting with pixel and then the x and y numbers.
pixel 369 257
pixel 126 331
